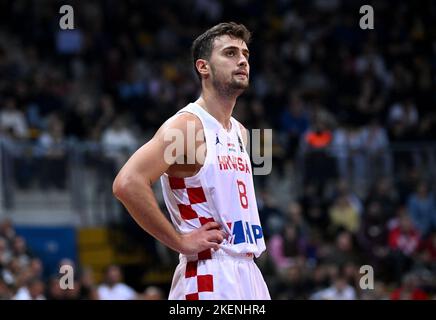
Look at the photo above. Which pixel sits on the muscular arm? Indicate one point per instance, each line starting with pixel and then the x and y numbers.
pixel 132 187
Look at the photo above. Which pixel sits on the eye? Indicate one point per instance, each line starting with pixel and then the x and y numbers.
pixel 230 53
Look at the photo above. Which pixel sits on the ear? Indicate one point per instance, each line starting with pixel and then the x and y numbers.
pixel 202 67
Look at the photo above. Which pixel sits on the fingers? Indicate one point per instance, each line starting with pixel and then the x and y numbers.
pixel 213 239
pixel 212 225
pixel 208 236
pixel 213 245
pixel 215 226
pixel 215 236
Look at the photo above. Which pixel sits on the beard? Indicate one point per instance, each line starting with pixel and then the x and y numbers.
pixel 226 88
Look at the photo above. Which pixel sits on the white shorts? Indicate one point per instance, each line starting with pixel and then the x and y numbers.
pixel 222 277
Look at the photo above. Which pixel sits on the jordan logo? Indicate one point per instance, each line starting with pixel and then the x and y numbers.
pixel 217 140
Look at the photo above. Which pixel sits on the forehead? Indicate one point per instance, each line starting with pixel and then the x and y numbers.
pixel 225 41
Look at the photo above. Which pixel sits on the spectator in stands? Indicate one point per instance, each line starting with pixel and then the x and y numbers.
pixel 36 268
pixel 293 284
pixel 422 208
pixel 376 148
pixel 403 123
pixel 88 289
pixel 74 293
pixel 409 289
pixel 78 118
pixel 294 215
pixel 20 251
pixel 403 240
pixel 152 293
pixel 294 122
pixel 404 112
pixel 380 292
pixel 349 149
pixel 118 141
pixel 5 253
pixel 344 215
pixel 384 193
pixel 104 116
pixel 342 252
pixel 7 230
pixel 315 147
pixel 428 251
pixel 34 290
pixel 271 216
pixel 317 218
pixel 113 288
pixel 53 154
pixel 339 290
pixel 286 246
pixel 54 290
pixel 373 236
pixel 313 206
pixel 12 120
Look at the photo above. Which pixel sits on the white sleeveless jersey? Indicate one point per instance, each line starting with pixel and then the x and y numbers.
pixel 221 191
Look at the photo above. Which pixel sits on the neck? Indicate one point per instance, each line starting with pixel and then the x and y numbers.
pixel 218 105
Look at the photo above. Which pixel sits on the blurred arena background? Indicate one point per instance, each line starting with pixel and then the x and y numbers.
pixel 353 114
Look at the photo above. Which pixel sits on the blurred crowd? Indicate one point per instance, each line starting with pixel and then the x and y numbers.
pixel 320 247
pixel 22 276
pixel 336 97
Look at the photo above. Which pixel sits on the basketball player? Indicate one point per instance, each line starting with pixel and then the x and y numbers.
pixel 210 197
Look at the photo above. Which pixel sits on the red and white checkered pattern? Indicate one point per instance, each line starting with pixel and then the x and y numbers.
pixel 191 202
pixel 193 209
pixel 198 286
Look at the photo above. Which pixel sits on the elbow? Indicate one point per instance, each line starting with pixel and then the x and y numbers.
pixel 120 187
pixel 125 184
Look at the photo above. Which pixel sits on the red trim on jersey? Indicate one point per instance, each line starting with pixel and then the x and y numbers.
pixel 192 296
pixel 204 220
pixel 187 212
pixel 205 255
pixel 177 183
pixel 196 195
pixel 191 269
pixel 205 283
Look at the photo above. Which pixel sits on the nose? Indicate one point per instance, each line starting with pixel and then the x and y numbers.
pixel 242 61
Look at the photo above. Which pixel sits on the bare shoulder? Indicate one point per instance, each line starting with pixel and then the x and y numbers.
pixel 181 121
pixel 182 125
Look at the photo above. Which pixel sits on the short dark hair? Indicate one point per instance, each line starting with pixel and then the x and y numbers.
pixel 203 45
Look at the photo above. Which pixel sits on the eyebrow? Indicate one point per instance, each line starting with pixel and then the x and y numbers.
pixel 235 47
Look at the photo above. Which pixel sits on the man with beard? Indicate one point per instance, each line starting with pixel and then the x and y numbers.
pixel 205 171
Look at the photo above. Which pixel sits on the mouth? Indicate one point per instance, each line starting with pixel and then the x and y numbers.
pixel 241 74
